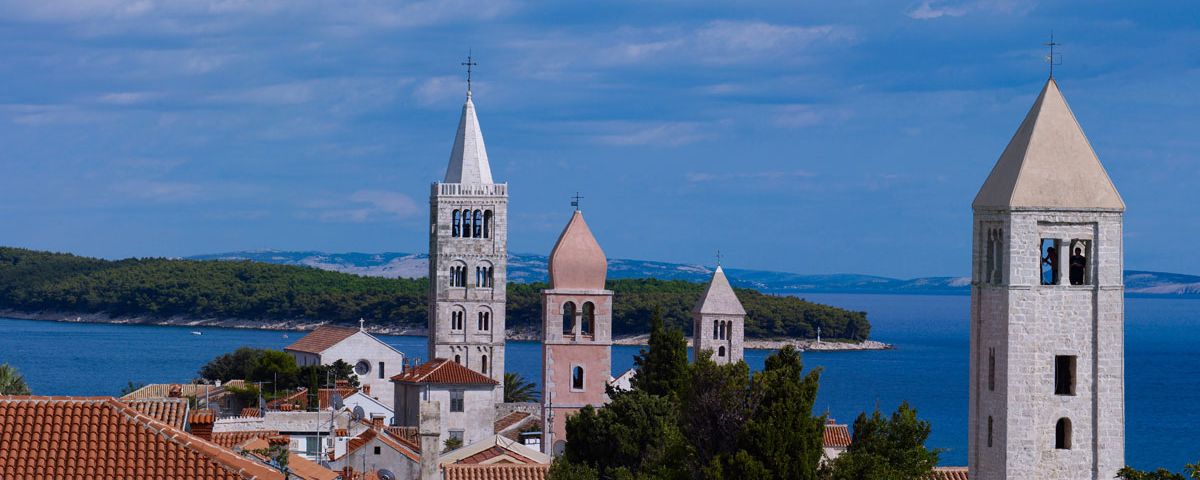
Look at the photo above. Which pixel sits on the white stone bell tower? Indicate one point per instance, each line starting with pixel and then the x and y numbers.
pixel 468 257
pixel 1047 311
pixel 719 321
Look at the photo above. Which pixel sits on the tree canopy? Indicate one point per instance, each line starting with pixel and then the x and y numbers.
pixel 887 448
pixel 35 281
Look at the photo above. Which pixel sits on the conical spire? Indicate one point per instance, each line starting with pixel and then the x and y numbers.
pixel 468 159
pixel 1049 164
pixel 577 262
pixel 719 297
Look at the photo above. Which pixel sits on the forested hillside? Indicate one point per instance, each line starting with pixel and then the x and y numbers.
pixel 32 281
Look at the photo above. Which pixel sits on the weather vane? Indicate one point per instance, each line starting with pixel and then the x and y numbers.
pixel 1051 59
pixel 575 201
pixel 469 64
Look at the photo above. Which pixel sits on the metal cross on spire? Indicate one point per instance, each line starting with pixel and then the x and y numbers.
pixel 718 257
pixel 575 201
pixel 1050 59
pixel 469 64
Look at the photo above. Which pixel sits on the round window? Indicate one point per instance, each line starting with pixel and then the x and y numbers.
pixel 363 367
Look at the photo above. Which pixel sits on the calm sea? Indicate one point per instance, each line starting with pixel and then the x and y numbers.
pixel 928 367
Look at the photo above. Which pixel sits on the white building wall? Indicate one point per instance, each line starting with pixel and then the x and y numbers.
pixel 362 346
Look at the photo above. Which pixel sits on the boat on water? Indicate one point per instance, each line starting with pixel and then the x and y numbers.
pixel 196 332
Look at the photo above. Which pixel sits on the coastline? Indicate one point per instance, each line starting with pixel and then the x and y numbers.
pixel 515 335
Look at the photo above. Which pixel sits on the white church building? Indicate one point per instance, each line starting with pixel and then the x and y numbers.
pixel 374 362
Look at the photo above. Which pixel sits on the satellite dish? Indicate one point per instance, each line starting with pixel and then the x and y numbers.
pixel 385 474
pixel 358 413
pixel 336 401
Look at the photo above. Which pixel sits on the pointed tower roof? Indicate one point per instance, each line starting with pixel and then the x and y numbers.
pixel 469 160
pixel 1049 164
pixel 577 262
pixel 719 297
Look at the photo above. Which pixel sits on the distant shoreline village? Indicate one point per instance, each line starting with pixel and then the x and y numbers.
pixel 519 336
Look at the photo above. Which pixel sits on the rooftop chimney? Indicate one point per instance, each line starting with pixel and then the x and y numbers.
pixel 366 389
pixel 377 420
pixel 430 432
pixel 201 423
pixel 176 391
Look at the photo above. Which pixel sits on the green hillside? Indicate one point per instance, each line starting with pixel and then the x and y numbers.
pixel 33 281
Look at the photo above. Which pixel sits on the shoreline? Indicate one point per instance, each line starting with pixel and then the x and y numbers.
pixel 529 335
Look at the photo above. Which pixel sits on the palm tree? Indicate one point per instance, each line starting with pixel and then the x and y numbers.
pixel 11 381
pixel 517 389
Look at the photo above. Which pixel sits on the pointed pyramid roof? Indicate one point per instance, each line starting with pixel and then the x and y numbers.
pixel 719 297
pixel 577 262
pixel 1049 164
pixel 469 160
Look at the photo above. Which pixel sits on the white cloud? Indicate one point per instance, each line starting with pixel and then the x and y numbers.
pixel 438 90
pixel 127 98
pixel 700 177
pixel 663 134
pixel 933 9
pixel 280 94
pixel 803 116
pixel 363 206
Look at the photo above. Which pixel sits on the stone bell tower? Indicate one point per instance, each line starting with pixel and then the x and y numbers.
pixel 576 331
pixel 719 321
pixel 1047 311
pixel 468 257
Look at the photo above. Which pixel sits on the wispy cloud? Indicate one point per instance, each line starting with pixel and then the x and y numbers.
pixel 702 177
pixel 933 9
pixel 662 134
pixel 362 206
pixel 803 116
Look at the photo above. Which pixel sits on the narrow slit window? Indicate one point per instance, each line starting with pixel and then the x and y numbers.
pixel 1062 434
pixel 487 224
pixel 989 439
pixel 1064 375
pixel 992 369
pixel 484 365
pixel 478 233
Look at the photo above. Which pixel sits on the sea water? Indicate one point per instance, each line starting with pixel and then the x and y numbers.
pixel 928 368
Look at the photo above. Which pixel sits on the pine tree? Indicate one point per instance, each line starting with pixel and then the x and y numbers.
pixel 887 448
pixel 662 367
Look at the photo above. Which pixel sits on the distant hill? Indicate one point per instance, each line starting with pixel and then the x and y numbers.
pixel 527 268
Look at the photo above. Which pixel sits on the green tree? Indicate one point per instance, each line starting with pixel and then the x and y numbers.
pixel 11 381
pixel 662 367
pixel 636 434
pixel 517 389
pixel 562 469
pixel 452 444
pixel 277 368
pixel 714 407
pixel 1129 473
pixel 782 434
pixel 235 365
pixel 887 448
pixel 131 387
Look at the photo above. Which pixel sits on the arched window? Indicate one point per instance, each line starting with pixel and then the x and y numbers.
pixel 487 224
pixel 577 378
pixel 458 275
pixel 728 330
pixel 466 224
pixel 458 359
pixel 568 318
pixel 479 322
pixel 721 351
pixel 589 318
pixel 484 365
pixel 478 224
pixel 716 330
pixel 487 321
pixel 1062 434
pixel 457 224
pixel 491 277
pixel 457 318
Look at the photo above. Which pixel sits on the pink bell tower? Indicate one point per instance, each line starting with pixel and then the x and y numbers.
pixel 576 331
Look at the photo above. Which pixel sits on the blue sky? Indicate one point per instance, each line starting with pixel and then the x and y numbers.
pixel 813 137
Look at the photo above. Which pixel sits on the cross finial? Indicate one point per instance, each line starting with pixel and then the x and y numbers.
pixel 362 324
pixel 718 257
pixel 575 201
pixel 470 63
pixel 1051 59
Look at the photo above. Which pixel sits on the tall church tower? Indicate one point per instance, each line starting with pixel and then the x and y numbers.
pixel 468 257
pixel 1047 347
pixel 576 331
pixel 719 321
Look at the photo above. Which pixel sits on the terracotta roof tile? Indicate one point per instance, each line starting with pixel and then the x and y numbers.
pixel 232 439
pixel 495 472
pixel 509 420
pixel 163 390
pixel 107 438
pixel 836 435
pixel 408 436
pixel 484 456
pixel 948 473
pixel 443 371
pixel 321 338
pixel 171 411
pixel 298 466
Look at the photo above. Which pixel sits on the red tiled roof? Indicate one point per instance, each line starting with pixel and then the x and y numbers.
pixel 443 371
pixel 171 411
pixel 509 420
pixel 836 435
pixel 100 437
pixel 321 339
pixel 251 412
pixel 301 397
pixel 163 390
pixel 392 442
pixel 298 466
pixel 494 452
pixel 948 473
pixel 495 472
pixel 407 436
pixel 232 439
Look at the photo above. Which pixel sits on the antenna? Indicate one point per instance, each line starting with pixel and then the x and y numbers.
pixel 1051 58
